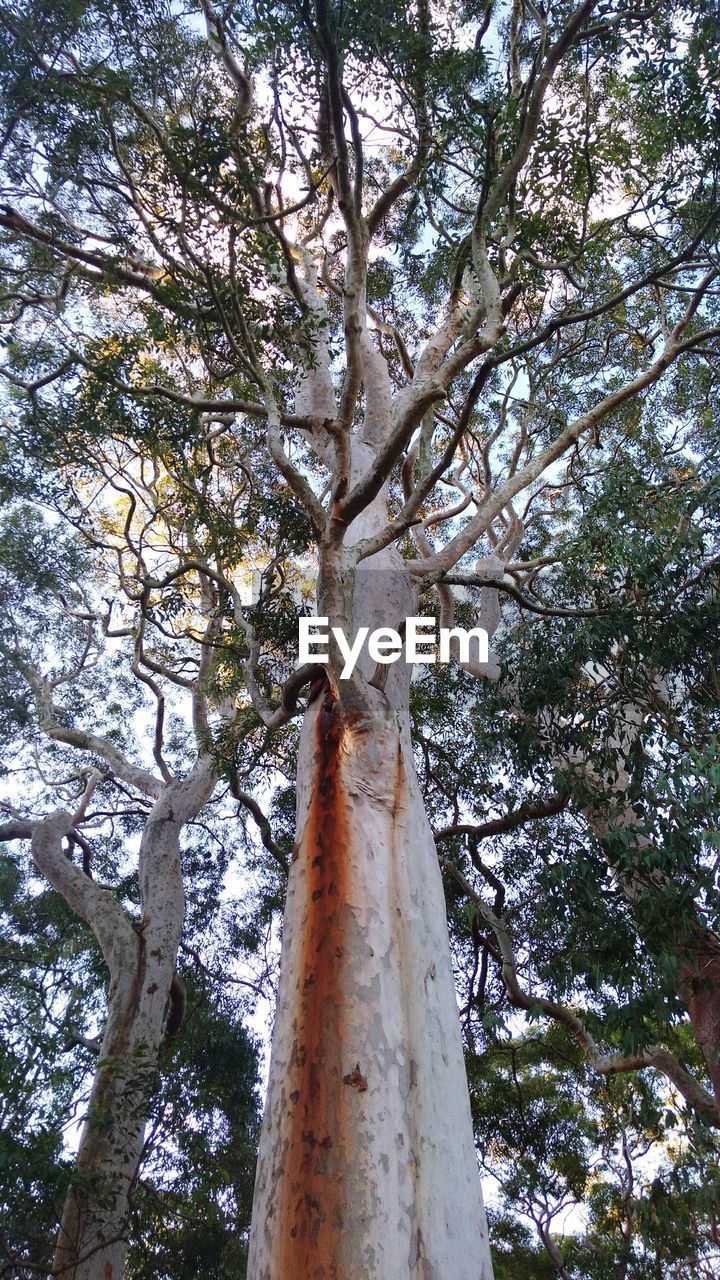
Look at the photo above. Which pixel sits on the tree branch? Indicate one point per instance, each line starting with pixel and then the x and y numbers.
pixel 530 812
pixel 608 1065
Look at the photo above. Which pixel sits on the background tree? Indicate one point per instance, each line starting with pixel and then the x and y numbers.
pixel 124 874
pixel 193 1198
pixel 608 1180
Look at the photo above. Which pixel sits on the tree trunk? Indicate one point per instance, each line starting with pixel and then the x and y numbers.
pixel 698 947
pixel 367 1167
pixel 92 1241
pixel 367 1163
pixel 700 989
pixel 93 1236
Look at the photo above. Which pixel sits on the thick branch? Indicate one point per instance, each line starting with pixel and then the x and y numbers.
pixel 97 906
pixel 133 774
pixel 530 812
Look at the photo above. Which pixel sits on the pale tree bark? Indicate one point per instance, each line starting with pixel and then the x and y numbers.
pixel 141 958
pixel 366 1163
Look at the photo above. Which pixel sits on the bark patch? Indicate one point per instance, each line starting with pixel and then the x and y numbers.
pixel 356 1079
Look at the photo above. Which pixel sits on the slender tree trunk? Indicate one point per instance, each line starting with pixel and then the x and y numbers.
pixel 92 1241
pixel 93 1235
pixel 367 1166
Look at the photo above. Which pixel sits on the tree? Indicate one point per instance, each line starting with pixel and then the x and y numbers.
pixel 68 656
pixel 289 280
pixel 192 1198
pixel 557 1138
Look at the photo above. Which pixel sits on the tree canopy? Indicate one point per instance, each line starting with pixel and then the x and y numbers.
pixel 290 293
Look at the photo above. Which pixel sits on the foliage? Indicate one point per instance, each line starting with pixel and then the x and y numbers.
pixel 181 283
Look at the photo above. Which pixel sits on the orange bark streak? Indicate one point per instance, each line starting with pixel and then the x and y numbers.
pixel 312 1202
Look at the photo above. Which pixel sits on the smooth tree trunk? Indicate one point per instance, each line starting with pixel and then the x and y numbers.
pixel 141 956
pixel 367 1162
pixel 367 1166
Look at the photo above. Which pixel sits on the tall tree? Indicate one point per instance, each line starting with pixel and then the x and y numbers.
pixel 372 259
pixel 191 1201
pixel 73 652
